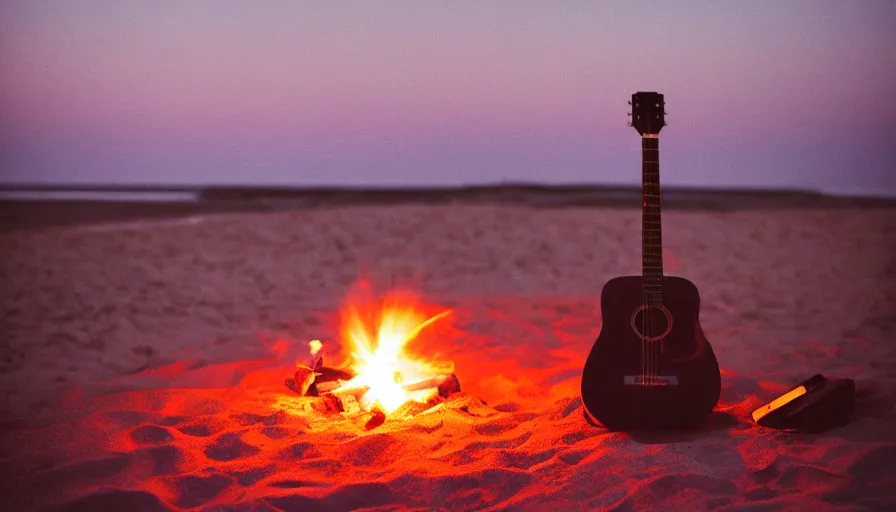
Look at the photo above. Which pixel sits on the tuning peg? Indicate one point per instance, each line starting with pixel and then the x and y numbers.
pixel 629 102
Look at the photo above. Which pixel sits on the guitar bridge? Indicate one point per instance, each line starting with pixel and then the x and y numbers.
pixel 650 380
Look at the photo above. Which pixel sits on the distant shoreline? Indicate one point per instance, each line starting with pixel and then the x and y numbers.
pixel 249 191
pixel 39 206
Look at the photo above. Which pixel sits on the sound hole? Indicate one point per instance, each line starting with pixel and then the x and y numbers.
pixel 652 323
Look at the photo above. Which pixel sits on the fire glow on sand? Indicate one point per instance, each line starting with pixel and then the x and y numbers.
pixel 171 375
pixel 383 377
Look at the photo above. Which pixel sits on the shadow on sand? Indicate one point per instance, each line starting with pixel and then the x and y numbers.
pixel 716 422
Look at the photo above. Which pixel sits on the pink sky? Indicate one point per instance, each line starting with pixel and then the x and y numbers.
pixel 794 93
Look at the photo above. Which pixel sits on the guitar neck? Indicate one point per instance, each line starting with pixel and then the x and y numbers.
pixel 651 225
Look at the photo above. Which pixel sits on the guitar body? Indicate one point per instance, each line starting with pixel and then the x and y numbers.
pixel 620 402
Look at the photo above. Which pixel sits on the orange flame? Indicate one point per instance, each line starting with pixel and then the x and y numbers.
pixel 377 341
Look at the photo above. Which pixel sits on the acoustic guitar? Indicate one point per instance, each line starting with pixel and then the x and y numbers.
pixel 651 366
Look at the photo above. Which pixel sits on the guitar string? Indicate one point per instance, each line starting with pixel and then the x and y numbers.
pixel 645 328
pixel 651 346
pixel 647 316
pixel 655 190
pixel 644 352
pixel 643 375
pixel 650 186
pixel 659 239
pixel 649 251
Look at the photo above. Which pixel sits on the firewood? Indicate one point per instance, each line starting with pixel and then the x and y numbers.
pixel 306 370
pixel 374 419
pixel 449 386
pixel 445 385
pixel 344 391
pixel 328 387
pixel 336 395
pixel 327 374
pixel 328 404
pixel 447 381
pixel 302 380
pixel 327 379
pixel 427 383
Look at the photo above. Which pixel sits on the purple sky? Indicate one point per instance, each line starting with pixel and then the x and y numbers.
pixel 761 93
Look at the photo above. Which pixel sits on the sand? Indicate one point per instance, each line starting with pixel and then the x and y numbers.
pixel 142 361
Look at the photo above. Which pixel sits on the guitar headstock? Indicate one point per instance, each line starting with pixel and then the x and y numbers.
pixel 648 114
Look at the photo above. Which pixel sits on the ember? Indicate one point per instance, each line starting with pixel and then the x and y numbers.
pixel 382 376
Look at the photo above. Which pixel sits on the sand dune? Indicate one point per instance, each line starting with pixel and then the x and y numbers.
pixel 143 361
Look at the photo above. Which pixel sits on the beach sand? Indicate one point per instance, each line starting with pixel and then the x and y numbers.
pixel 144 360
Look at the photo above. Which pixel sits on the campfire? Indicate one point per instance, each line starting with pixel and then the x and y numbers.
pixel 383 378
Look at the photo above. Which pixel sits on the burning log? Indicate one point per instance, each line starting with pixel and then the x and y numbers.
pixel 344 392
pixel 326 380
pixel 376 418
pixel 328 404
pixel 446 384
pixel 306 369
pixel 443 386
pixel 312 378
pixel 325 374
pixel 335 396
pixel 303 379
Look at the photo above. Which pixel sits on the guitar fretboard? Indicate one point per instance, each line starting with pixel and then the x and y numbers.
pixel 651 225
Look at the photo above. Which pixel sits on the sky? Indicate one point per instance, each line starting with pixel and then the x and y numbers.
pixel 770 94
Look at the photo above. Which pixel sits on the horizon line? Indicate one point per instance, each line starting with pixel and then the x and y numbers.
pixel 278 189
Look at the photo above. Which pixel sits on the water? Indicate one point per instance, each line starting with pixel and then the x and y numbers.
pixel 152 196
